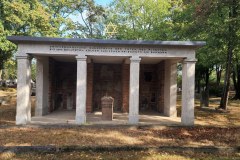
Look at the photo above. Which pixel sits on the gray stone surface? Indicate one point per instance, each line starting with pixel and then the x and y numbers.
pixel 134 90
pixel 81 96
pixel 21 39
pixel 42 86
pixel 149 52
pixel 188 90
pixel 23 113
pixel 170 88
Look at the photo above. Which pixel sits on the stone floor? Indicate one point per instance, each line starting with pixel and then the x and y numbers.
pixel 68 117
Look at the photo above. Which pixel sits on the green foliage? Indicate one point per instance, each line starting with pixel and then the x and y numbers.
pixel 6 47
pixel 33 70
pixel 59 12
pixel 25 17
pixel 206 20
pixel 217 23
pixel 91 19
pixel 28 18
pixel 144 19
pixel 10 69
pixel 22 17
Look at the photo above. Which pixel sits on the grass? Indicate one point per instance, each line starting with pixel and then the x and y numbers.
pixel 210 116
pixel 102 136
pixel 214 128
pixel 8 109
pixel 123 155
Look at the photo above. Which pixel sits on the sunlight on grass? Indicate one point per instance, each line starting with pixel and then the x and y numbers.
pixel 7 155
pixel 206 133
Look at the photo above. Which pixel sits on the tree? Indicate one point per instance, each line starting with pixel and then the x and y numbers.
pixel 217 23
pixel 236 75
pixel 10 69
pixel 6 48
pixel 192 23
pixel 232 42
pixel 91 19
pixel 60 12
pixel 22 17
pixel 144 19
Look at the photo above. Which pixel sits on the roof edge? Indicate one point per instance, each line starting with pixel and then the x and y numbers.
pixel 24 39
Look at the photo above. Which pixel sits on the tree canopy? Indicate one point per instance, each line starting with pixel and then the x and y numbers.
pixel 214 21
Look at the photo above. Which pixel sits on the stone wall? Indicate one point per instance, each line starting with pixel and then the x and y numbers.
pixel 151 87
pixel 90 70
pixel 107 81
pixel 160 86
pixel 62 91
pixel 147 88
pixel 51 84
pixel 102 80
pixel 125 87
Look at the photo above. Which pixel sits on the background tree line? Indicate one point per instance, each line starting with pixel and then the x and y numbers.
pixel 213 21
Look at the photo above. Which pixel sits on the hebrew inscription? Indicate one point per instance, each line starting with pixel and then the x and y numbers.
pixel 123 50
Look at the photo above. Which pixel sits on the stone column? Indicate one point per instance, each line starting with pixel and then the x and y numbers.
pixel 134 90
pixel 23 115
pixel 188 84
pixel 170 88
pixel 42 86
pixel 81 89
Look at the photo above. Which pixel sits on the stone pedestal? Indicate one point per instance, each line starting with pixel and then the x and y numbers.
pixel 107 108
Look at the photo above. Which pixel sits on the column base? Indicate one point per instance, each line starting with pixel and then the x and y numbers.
pixel 80 119
pixel 21 120
pixel 133 119
pixel 171 114
pixel 187 122
pixel 41 112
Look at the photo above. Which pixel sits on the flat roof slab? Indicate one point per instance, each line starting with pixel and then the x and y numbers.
pixel 28 39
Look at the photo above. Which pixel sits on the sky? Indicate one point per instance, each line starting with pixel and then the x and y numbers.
pixel 76 18
pixel 103 2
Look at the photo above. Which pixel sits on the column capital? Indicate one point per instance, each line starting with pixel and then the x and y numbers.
pixel 194 60
pixel 81 58
pixel 135 59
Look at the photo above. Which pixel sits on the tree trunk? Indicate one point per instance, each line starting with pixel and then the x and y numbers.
pixel 237 96
pixel 0 74
pixel 204 102
pixel 224 98
pixel 1 67
pixel 198 85
pixel 236 81
pixel 219 74
pixel 231 38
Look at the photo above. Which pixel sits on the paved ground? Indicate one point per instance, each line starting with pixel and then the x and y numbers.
pixel 68 117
